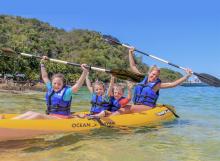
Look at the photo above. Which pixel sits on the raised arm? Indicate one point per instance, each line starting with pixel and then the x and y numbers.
pixel 130 86
pixel 44 74
pixel 132 62
pixel 81 80
pixel 88 84
pixel 111 85
pixel 177 82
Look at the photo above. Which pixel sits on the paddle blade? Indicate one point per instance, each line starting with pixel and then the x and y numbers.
pixel 208 79
pixel 8 51
pixel 127 75
pixel 111 40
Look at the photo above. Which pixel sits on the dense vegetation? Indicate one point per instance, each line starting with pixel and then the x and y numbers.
pixel 80 46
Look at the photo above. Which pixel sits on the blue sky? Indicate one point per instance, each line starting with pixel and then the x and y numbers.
pixel 184 32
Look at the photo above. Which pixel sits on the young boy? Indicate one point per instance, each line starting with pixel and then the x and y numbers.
pixel 116 99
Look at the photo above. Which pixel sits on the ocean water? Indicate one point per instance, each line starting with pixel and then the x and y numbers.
pixel 195 136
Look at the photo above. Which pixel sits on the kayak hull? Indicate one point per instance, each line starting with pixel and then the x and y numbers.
pixel 156 115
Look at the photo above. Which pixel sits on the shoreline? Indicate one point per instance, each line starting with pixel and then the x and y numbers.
pixel 17 91
pixel 19 87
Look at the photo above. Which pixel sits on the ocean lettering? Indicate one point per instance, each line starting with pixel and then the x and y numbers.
pixel 75 125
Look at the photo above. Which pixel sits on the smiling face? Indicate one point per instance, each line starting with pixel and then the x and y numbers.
pixel 118 92
pixel 153 75
pixel 57 84
pixel 99 89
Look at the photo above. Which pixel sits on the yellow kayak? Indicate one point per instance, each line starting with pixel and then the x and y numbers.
pixel 159 114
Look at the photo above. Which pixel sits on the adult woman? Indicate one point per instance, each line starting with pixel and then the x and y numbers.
pixel 146 92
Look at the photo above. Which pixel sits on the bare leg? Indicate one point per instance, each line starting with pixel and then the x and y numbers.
pixel 40 116
pixel 139 108
pixel 33 115
pixel 79 115
pixel 23 116
pixel 124 110
pixel 101 114
pixel 115 113
pixel 2 117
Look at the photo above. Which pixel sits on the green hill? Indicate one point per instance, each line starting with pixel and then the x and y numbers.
pixel 80 46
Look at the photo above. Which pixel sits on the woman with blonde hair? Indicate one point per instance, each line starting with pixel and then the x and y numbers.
pixel 146 92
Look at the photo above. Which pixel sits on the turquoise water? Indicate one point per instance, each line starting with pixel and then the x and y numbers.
pixel 195 136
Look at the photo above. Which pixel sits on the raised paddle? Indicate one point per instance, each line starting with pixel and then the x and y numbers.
pixel 206 78
pixel 119 73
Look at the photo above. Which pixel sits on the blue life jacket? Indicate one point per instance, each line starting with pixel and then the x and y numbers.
pixel 115 105
pixel 144 93
pixel 56 103
pixel 99 104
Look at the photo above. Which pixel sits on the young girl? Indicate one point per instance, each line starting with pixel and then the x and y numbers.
pixel 117 100
pixel 100 100
pixel 111 103
pixel 58 96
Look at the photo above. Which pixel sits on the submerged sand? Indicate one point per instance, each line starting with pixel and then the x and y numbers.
pixel 14 134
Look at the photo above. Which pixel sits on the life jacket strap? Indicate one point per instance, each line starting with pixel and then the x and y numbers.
pixel 57 109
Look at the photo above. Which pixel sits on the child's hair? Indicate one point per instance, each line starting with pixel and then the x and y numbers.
pixel 59 75
pixel 154 67
pixel 99 83
pixel 119 88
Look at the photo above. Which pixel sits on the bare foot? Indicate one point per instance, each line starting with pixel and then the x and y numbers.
pixel 2 117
